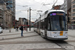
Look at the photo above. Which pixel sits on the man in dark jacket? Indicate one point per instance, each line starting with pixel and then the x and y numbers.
pixel 21 28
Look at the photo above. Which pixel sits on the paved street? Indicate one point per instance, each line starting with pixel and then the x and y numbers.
pixel 32 41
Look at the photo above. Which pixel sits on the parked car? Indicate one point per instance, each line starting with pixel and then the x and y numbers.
pixel 1 30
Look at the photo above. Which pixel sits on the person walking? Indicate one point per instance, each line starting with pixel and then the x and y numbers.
pixel 17 28
pixel 21 28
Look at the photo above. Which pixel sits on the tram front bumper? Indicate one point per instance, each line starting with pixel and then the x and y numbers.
pixel 57 38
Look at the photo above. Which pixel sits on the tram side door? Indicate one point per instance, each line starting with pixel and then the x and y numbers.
pixel 46 26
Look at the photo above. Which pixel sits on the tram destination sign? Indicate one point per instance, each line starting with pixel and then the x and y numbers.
pixel 53 14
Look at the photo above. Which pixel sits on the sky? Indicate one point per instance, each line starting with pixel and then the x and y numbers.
pixel 23 5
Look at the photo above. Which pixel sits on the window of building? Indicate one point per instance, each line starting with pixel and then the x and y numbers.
pixel 73 2
pixel 73 6
pixel 73 10
pixel 73 14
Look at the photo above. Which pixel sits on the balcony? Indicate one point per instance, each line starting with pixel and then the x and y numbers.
pixel 9 2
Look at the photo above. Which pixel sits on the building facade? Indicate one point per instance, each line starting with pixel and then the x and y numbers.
pixel 69 10
pixel 7 19
pixel 65 6
pixel 17 23
pixel 10 4
pixel 73 11
pixel 2 10
pixel 62 7
pixel 5 15
pixel 23 22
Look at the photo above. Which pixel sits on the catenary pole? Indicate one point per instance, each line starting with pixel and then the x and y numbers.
pixel 29 18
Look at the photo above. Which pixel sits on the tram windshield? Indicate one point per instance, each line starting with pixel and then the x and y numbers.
pixel 58 23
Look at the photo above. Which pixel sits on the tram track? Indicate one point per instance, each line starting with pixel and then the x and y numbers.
pixel 64 44
pixel 48 49
pixel 18 37
pixel 32 42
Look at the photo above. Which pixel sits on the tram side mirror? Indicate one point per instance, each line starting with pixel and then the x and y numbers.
pixel 68 19
pixel 66 14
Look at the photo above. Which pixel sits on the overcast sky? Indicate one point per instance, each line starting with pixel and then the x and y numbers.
pixel 23 5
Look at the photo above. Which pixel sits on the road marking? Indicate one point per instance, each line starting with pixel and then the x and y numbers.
pixel 64 44
pixel 19 37
pixel 48 49
pixel 16 34
pixel 23 42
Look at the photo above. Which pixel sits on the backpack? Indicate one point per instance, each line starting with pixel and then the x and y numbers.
pixel 20 28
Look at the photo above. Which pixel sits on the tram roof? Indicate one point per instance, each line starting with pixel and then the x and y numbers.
pixel 37 20
pixel 56 10
pixel 44 15
pixel 48 11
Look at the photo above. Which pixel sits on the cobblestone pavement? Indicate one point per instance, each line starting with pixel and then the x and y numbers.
pixel 32 41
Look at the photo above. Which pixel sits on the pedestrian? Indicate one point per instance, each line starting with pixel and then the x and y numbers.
pixel 21 28
pixel 17 28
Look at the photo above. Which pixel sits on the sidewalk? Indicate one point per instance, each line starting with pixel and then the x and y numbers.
pixel 30 41
pixel 6 35
pixel 6 31
pixel 71 32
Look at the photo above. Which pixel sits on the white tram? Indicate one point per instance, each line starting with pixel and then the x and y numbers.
pixel 52 25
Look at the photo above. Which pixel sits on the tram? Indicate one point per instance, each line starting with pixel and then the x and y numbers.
pixel 52 25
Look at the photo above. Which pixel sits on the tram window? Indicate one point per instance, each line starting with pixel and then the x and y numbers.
pixel 37 24
pixel 46 23
pixel 49 26
pixel 42 24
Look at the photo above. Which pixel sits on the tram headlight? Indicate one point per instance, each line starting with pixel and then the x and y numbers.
pixel 66 32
